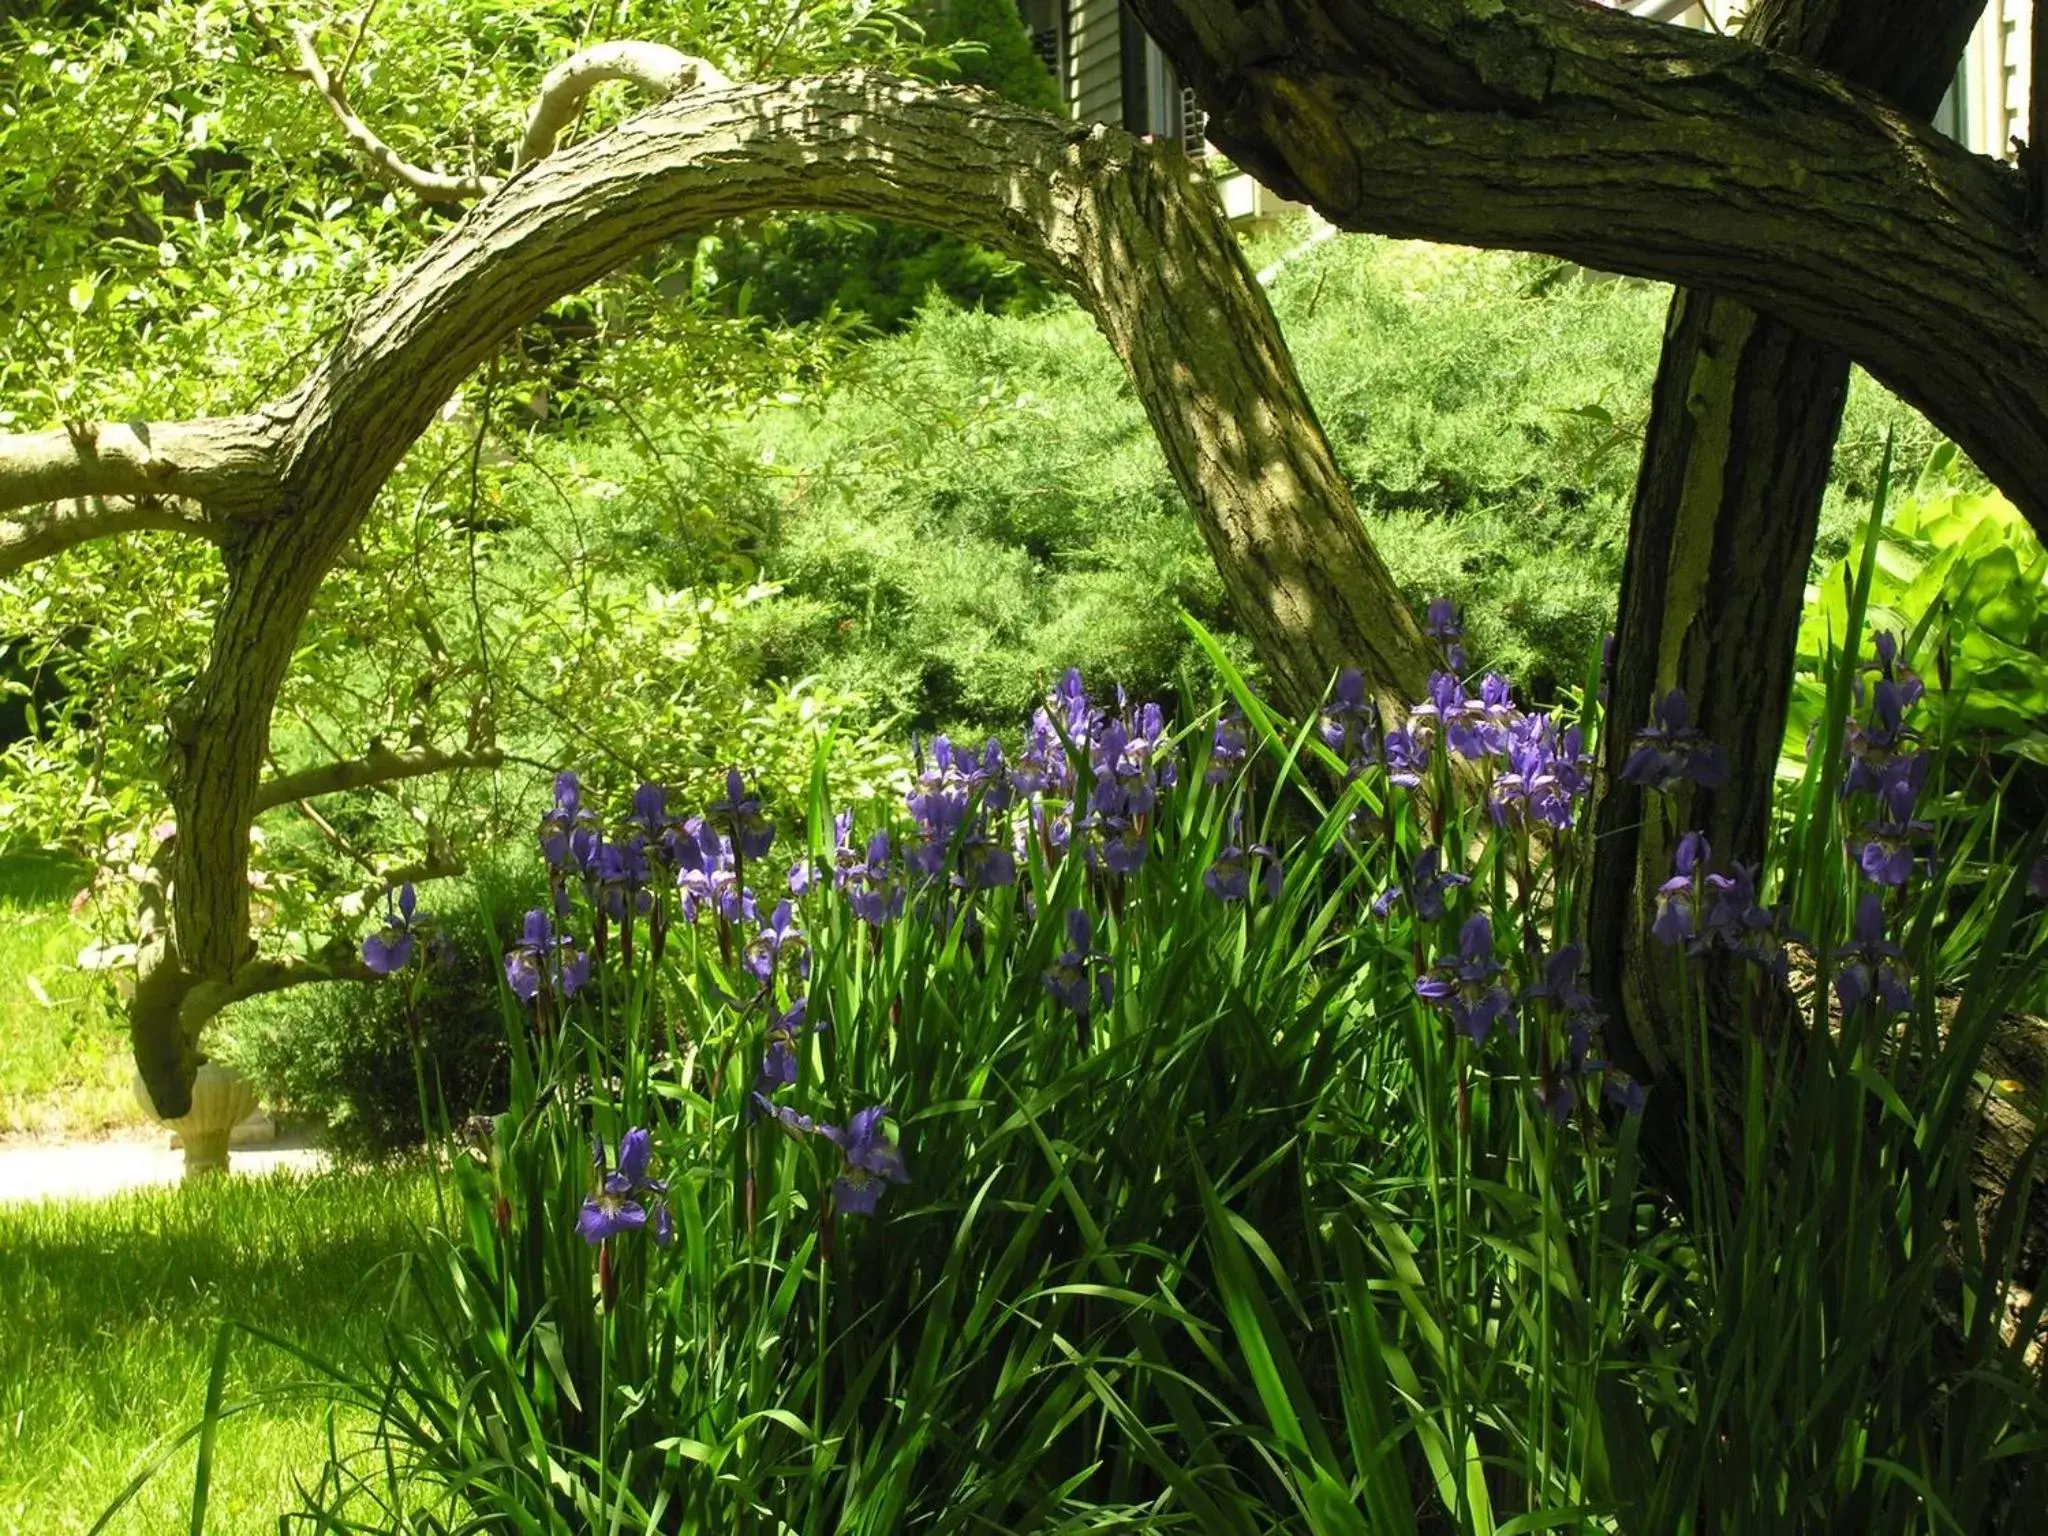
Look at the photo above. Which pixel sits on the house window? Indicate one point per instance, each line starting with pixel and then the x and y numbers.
pixel 1151 91
pixel 1044 20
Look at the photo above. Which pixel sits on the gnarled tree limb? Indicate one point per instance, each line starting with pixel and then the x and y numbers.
pixel 1562 126
pixel 392 167
pixel 1127 227
pixel 262 977
pixel 657 69
pixel 37 533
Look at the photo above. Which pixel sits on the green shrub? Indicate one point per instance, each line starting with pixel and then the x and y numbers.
pixel 343 1054
pixel 981 502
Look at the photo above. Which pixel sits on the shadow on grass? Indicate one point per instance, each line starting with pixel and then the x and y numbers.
pixel 301 1256
pixel 37 879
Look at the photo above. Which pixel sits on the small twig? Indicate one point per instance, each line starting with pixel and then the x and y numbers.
pixel 394 168
pixel 362 31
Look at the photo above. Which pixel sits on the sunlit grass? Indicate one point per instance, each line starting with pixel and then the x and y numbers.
pixel 64 1067
pixel 109 1311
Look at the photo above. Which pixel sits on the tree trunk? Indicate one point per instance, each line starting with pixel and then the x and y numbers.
pixel 1742 427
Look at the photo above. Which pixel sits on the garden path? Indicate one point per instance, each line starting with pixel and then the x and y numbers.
pixel 73 1170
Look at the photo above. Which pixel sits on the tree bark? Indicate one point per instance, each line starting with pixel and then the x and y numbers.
pixel 1126 226
pixel 1743 420
pixel 1654 150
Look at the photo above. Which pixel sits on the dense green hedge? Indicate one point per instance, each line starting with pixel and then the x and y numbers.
pixel 982 503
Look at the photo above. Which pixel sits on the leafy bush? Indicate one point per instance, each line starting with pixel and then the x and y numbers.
pixel 1961 578
pixel 345 1054
pixel 979 502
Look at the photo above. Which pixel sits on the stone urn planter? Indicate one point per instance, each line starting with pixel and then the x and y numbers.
pixel 221 1100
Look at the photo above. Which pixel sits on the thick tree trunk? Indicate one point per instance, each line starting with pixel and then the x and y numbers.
pixel 1655 150
pixel 1742 428
pixel 1126 226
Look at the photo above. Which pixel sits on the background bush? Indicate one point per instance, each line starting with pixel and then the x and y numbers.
pixel 344 1054
pixel 980 503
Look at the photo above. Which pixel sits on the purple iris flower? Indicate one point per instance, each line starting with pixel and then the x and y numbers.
pixel 1886 856
pixel 1407 756
pixel 1069 980
pixel 1874 746
pixel 1124 843
pixel 543 958
pixel 985 863
pixel 649 816
pixel 739 816
pixel 1042 766
pixel 1227 749
pixel 620 874
pixel 1870 971
pixel 794 1125
pixel 390 948
pixel 2037 877
pixel 621 1202
pixel 1467 984
pixel 1440 623
pixel 1546 775
pixel 563 821
pixel 1444 708
pixel 1558 1096
pixel 1624 1092
pixel 1676 896
pixel 1229 879
pixel 1347 718
pixel 1560 983
pixel 873 887
pixel 1885 663
pixel 707 879
pixel 1070 698
pixel 1144 742
pixel 778 934
pixel 778 1067
pixel 1745 926
pixel 1427 885
pixel 1671 749
pixel 869 1161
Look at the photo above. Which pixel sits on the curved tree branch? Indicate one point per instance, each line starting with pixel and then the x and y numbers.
pixel 392 167
pixel 262 977
pixel 657 69
pixel 379 766
pixel 1562 126
pixel 1129 228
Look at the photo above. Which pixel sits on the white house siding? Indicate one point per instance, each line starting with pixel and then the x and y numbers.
pixel 1095 61
pixel 1992 84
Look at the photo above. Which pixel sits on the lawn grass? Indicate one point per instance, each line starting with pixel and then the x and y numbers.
pixel 64 1064
pixel 109 1311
